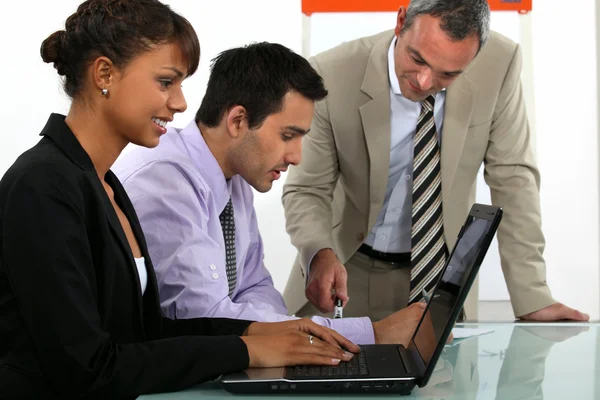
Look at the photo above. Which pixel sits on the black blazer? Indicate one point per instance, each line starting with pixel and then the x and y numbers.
pixel 73 322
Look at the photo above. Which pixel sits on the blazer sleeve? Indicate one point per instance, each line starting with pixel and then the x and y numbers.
pixel 207 326
pixel 308 189
pixel 514 180
pixel 49 265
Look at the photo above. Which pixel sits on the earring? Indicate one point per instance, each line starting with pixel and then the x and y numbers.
pixel 104 92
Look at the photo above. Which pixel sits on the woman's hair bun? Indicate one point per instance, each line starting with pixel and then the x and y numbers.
pixel 51 50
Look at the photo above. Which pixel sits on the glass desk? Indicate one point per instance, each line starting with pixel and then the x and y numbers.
pixel 515 361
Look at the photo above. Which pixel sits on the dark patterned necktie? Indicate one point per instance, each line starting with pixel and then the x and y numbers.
pixel 228 227
pixel 428 248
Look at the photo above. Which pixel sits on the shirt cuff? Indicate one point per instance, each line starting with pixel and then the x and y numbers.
pixel 307 255
pixel 357 330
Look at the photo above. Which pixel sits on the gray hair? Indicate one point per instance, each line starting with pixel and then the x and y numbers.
pixel 459 18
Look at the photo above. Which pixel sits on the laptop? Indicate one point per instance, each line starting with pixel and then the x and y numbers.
pixel 384 368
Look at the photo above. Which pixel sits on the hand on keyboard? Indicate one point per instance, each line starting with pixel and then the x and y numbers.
pixel 303 325
pixel 292 347
pixel 353 368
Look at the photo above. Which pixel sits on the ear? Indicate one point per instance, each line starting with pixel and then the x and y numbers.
pixel 236 120
pixel 103 73
pixel 400 19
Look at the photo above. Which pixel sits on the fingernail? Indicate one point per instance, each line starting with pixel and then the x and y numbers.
pixel 335 360
pixel 348 356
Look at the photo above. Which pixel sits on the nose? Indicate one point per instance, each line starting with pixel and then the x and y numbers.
pixel 177 101
pixel 425 79
pixel 294 154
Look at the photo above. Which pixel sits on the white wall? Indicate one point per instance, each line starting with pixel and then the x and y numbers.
pixel 564 88
pixel 566 95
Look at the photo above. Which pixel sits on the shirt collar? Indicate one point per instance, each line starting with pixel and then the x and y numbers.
pixel 59 132
pixel 207 164
pixel 394 85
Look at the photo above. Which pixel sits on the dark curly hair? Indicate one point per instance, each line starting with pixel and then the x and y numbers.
pixel 120 30
pixel 257 77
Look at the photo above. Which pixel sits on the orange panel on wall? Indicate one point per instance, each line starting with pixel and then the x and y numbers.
pixel 313 6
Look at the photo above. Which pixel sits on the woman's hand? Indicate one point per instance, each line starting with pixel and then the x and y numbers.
pixel 304 325
pixel 291 346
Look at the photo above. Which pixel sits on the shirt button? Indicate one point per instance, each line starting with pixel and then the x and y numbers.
pixel 215 275
pixel 408 177
pixel 382 237
pixel 213 267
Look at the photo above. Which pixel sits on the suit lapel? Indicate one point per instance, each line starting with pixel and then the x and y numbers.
pixel 375 117
pixel 117 230
pixel 151 298
pixel 458 107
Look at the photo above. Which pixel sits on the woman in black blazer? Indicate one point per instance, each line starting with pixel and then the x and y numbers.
pixel 79 308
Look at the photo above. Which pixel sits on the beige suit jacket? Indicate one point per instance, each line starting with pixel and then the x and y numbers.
pixel 332 199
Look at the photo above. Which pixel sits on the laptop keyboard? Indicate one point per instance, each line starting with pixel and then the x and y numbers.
pixel 353 368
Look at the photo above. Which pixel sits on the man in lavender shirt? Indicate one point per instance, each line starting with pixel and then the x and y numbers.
pixel 258 105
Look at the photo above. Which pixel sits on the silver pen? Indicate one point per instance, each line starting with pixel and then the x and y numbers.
pixel 338 311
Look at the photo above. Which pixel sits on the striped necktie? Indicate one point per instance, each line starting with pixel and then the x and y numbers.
pixel 228 227
pixel 428 248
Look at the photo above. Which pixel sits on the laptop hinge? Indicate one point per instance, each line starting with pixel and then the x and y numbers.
pixel 405 361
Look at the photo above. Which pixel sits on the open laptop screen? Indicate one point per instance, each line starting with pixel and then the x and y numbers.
pixel 468 246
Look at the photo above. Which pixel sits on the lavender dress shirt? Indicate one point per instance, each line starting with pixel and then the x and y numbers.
pixel 178 191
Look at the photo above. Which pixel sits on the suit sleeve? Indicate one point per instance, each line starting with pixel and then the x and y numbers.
pixel 514 181
pixel 50 268
pixel 308 190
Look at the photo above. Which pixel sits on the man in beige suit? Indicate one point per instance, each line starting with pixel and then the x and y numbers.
pixel 373 226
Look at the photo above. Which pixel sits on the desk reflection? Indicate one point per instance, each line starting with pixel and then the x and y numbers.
pixel 525 360
pixel 522 370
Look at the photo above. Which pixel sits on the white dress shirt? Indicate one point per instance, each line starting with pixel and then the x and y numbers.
pixel 140 263
pixel 391 232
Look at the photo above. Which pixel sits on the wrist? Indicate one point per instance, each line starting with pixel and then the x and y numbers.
pixel 249 349
pixel 322 256
pixel 250 329
pixel 376 332
pixel 327 252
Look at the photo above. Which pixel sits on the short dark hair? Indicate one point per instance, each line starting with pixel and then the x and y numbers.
pixel 120 30
pixel 257 77
pixel 459 18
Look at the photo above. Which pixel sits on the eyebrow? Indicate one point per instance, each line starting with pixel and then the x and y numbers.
pixel 416 53
pixel 295 129
pixel 178 72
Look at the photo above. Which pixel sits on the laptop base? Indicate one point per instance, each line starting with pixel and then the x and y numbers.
pixel 322 387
